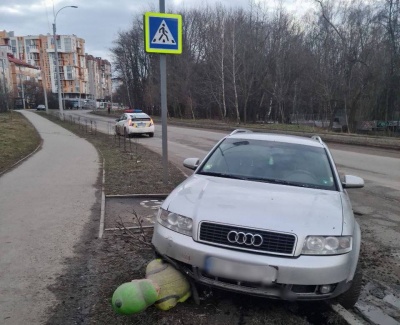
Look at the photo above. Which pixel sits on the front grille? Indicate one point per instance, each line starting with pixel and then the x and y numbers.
pixel 273 242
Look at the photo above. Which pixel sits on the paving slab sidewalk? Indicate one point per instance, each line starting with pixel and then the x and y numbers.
pixel 44 205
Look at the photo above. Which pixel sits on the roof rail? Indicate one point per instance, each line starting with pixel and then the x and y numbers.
pixel 317 138
pixel 241 131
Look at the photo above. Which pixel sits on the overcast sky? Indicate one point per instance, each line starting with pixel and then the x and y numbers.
pixel 97 21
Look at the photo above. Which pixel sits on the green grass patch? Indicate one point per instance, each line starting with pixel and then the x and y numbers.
pixel 18 139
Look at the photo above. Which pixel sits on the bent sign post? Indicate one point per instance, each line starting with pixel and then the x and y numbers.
pixel 163 35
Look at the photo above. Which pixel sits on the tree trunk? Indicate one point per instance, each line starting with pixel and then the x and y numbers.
pixel 234 76
pixel 223 70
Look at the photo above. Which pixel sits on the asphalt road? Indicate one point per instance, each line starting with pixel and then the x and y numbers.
pixel 373 164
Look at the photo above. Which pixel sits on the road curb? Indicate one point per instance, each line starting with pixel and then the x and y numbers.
pixel 349 317
pixel 137 195
pixel 103 203
pixel 23 159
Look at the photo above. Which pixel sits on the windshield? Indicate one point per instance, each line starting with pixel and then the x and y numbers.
pixel 271 162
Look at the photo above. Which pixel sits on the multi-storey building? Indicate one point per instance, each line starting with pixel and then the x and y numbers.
pixel 21 73
pixel 76 81
pixel 16 73
pixel 99 73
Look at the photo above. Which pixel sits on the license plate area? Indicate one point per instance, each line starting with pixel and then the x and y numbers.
pixel 246 272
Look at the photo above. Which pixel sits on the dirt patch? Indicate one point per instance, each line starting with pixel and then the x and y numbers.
pixel 100 266
pixel 120 210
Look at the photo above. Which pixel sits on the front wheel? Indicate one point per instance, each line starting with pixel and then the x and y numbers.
pixel 116 130
pixel 349 298
pixel 151 135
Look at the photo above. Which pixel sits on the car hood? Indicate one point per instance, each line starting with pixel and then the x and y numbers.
pixel 298 210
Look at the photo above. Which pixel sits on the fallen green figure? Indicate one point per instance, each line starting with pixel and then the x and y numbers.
pixel 164 287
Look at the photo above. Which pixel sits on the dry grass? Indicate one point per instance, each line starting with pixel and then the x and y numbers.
pixel 130 167
pixel 18 139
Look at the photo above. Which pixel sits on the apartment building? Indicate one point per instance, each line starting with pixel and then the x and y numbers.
pixel 99 74
pixel 39 51
pixel 16 74
pixel 23 75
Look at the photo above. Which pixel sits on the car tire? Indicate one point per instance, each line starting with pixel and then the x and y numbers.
pixel 151 134
pixel 126 134
pixel 349 298
pixel 116 130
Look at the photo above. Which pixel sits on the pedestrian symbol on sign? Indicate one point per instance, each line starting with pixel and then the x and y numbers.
pixel 163 35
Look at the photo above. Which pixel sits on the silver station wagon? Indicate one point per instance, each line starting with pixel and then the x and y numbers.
pixel 265 215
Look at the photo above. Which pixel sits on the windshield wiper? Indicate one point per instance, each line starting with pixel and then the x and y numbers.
pixel 225 175
pixel 269 180
pixel 279 181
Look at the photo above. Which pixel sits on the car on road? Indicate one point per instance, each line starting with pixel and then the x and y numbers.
pixel 134 123
pixel 266 215
pixel 41 108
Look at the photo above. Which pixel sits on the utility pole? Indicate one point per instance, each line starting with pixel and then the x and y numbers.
pixel 60 104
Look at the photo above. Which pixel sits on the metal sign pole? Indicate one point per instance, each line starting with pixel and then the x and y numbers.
pixel 163 86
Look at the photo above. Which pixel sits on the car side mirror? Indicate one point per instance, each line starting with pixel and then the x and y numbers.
pixel 191 163
pixel 351 181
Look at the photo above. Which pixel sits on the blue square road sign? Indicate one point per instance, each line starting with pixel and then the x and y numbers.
pixel 163 33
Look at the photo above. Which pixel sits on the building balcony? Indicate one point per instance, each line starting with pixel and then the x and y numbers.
pixel 34 49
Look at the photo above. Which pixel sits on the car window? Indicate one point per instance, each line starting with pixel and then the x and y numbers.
pixel 259 160
pixel 139 117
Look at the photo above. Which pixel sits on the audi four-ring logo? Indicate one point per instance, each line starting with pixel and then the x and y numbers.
pixel 245 238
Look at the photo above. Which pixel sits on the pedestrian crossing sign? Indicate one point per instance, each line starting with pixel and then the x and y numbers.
pixel 163 33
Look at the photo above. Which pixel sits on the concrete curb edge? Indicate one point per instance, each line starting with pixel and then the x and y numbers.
pixel 349 317
pixel 157 196
pixel 103 203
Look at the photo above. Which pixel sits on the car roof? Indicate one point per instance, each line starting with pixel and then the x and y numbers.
pixel 278 138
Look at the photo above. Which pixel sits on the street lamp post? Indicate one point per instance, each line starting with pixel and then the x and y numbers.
pixel 60 104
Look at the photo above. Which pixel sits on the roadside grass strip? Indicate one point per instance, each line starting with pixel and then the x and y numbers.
pixel 18 139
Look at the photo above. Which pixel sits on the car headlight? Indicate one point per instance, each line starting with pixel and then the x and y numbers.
pixel 327 245
pixel 175 222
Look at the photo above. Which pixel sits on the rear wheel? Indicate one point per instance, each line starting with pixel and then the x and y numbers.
pixel 349 298
pixel 151 135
